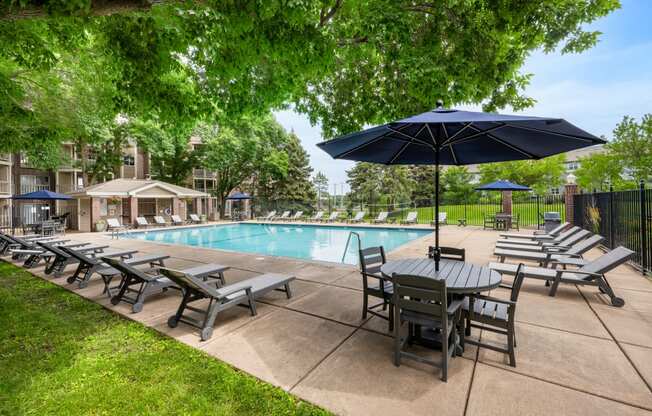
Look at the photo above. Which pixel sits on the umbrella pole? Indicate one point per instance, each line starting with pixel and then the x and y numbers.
pixel 437 252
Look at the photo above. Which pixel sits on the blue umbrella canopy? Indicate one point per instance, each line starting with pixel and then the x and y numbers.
pixel 454 137
pixel 238 196
pixel 43 195
pixel 502 186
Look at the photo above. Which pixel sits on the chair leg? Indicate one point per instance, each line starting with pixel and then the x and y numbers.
pixel 391 317
pixel 553 287
pixel 510 345
pixel 444 357
pixel 365 303
pixel 397 344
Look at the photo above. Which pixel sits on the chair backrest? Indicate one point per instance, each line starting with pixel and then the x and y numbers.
pixel 141 221
pixel 298 214
pixel 285 214
pixel 382 216
pixel 586 245
pixel 411 216
pixel 443 216
pixel 82 258
pixel 176 218
pixel 334 215
pixel 566 234
pixel 113 223
pixel 318 215
pixel 422 296
pixel 575 238
pixel 359 215
pixel 159 220
pixel 561 227
pixel 450 253
pixel 517 283
pixel 195 217
pixel 271 214
pixel 371 257
pixel 609 260
pixel 53 249
pixel 126 269
pixel 185 280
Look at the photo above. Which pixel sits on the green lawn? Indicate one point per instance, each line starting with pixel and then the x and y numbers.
pixel 61 354
pixel 474 213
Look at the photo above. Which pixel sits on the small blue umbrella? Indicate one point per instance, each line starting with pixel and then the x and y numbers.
pixel 453 137
pixel 502 186
pixel 239 196
pixel 43 195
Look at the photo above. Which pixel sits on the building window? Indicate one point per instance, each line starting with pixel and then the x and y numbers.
pixel 32 183
pixel 128 160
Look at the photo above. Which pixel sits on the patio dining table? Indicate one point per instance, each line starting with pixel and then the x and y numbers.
pixel 462 278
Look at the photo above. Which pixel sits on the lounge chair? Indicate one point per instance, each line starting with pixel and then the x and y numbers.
pixel 194 219
pixel 62 259
pixel 245 291
pixel 160 221
pixel 115 227
pixel 176 220
pixel 358 217
pixel 317 217
pixel 537 235
pixel 542 245
pixel 332 218
pixel 556 240
pixel 443 218
pixel 270 215
pixel 141 222
pixel 89 264
pixel 544 258
pixel 296 217
pixel 591 273
pixel 381 218
pixel 38 253
pixel 18 247
pixel 142 285
pixel 282 217
pixel 488 221
pixel 411 218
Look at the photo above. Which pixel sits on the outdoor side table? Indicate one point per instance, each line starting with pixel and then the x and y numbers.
pixel 462 278
pixel 461 222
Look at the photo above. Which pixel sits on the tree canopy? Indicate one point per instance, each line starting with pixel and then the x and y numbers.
pixel 345 64
pixel 540 175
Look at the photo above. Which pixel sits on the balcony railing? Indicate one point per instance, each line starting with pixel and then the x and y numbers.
pixel 5 187
pixel 203 174
pixel 68 188
pixel 33 188
pixel 5 157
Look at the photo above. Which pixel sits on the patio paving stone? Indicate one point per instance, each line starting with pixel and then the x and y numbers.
pixel 280 347
pixel 360 379
pixel 586 363
pixel 499 392
pixel 627 326
pixel 300 288
pixel 338 304
pixel 642 359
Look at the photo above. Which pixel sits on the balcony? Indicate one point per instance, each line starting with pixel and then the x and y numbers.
pixel 26 188
pixel 202 174
pixel 5 157
pixel 5 187
pixel 68 188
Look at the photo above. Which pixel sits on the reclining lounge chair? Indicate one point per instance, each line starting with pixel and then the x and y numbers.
pixel 538 235
pixel 62 259
pixel 381 218
pixel 176 220
pixel 282 217
pixel 543 246
pixel 194 219
pixel 411 218
pixel 142 284
pixel 316 217
pixel 545 257
pixel 160 221
pixel 590 274
pixel 358 217
pixel 245 291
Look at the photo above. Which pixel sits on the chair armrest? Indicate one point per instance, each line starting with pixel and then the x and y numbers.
pixel 454 306
pixel 225 291
pixel 497 300
pixel 572 255
pixel 561 273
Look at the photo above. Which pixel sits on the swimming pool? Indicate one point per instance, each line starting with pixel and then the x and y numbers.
pixel 313 242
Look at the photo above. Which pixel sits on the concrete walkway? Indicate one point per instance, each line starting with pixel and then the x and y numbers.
pixel 576 354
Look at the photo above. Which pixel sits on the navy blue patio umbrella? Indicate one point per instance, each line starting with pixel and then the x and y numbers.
pixel 453 137
pixel 239 196
pixel 502 186
pixel 43 195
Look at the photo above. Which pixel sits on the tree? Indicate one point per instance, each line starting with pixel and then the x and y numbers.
pixel 346 64
pixel 295 187
pixel 242 150
pixel 457 185
pixel 632 146
pixel 320 182
pixel 423 176
pixel 600 171
pixel 540 175
pixel 379 184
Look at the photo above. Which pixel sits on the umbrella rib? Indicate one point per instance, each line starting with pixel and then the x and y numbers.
pixel 457 133
pixel 479 132
pixel 568 136
pixel 344 154
pixel 511 146
pixel 450 145
pixel 415 139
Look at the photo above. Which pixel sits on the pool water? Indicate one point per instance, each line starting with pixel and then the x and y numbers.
pixel 313 242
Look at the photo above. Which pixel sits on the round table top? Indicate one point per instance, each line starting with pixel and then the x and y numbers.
pixel 461 277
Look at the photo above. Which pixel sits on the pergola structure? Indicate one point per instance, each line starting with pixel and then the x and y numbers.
pixel 127 199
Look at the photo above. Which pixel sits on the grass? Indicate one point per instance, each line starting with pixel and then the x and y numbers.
pixel 61 354
pixel 474 213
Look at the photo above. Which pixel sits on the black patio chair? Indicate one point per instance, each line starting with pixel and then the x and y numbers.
pixel 450 253
pixel 423 303
pixel 375 285
pixel 495 315
pixel 515 221
pixel 489 221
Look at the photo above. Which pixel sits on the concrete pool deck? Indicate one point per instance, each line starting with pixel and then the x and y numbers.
pixel 576 354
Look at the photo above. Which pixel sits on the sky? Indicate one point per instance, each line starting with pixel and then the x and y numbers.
pixel 592 90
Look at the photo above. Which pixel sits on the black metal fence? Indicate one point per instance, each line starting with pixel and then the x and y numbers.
pixel 624 218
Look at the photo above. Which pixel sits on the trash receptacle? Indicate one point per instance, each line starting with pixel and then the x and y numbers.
pixel 551 220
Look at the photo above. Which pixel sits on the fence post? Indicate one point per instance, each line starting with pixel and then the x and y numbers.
pixel 611 216
pixel 538 214
pixel 643 227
